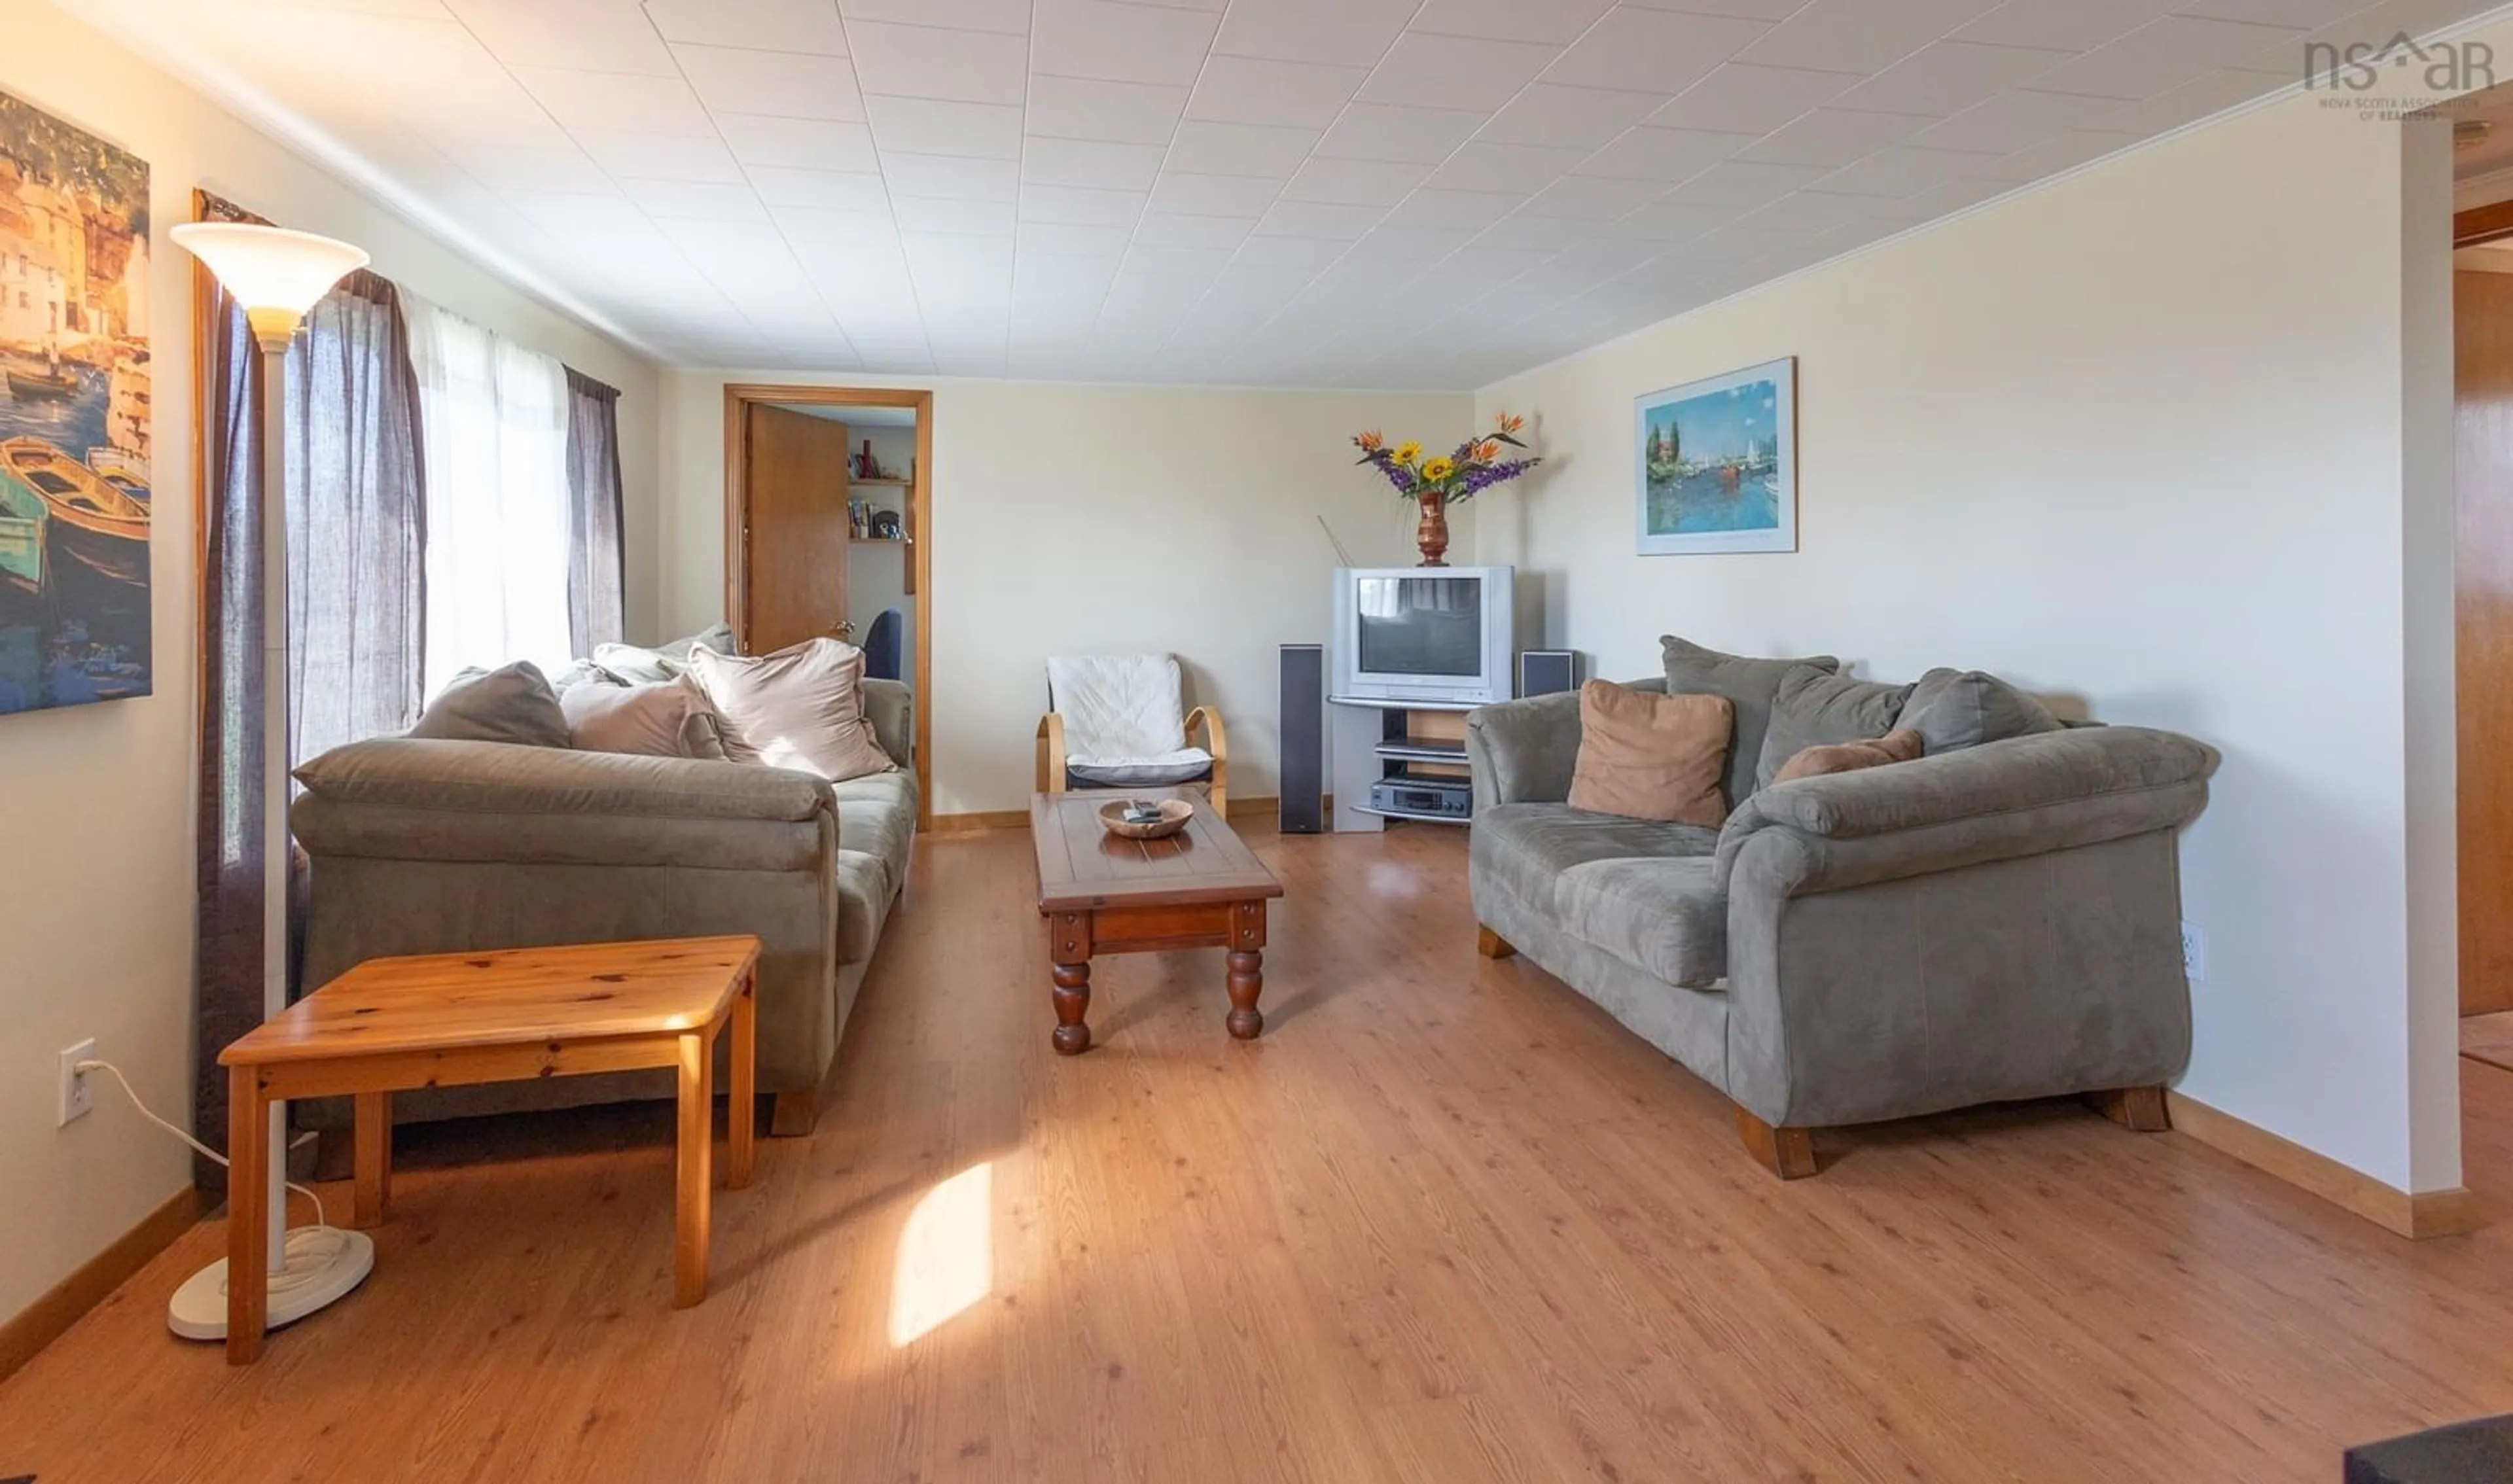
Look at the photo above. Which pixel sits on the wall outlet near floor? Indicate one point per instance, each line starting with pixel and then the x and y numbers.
pixel 77 1088
pixel 2194 952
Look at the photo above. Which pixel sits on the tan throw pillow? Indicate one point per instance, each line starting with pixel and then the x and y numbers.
pixel 1647 756
pixel 800 707
pixel 1899 746
pixel 666 720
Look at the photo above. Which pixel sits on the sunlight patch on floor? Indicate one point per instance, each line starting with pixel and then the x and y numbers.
pixel 946 1255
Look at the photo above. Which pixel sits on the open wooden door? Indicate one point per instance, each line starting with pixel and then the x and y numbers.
pixel 2482 603
pixel 796 545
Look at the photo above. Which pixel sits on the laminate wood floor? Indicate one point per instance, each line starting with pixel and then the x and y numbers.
pixel 1443 1222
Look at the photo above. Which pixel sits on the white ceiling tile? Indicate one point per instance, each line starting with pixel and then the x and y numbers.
pixel 2013 120
pixel 1454 71
pixel 2157 55
pixel 802 143
pixel 1311 253
pixel 616 101
pixel 593 35
pixel 1114 112
pixel 1317 219
pixel 1355 183
pixel 1746 97
pixel 934 126
pixel 1735 244
pixel 1674 221
pixel 1525 230
pixel 1662 51
pixel 819 225
pixel 1312 30
pixel 1036 275
pixel 2191 101
pixel 830 189
pixel 1086 162
pixel 1249 90
pixel 788 84
pixel 707 200
pixel 1175 230
pixel 1831 137
pixel 778 26
pixel 1901 171
pixel 1453 209
pixel 1862 35
pixel 1200 196
pixel 1549 113
pixel 1478 262
pixel 1744 184
pixel 1121 42
pixel 1665 155
pixel 937 214
pixel 1947 77
pixel 562 170
pixel 1008 15
pixel 2071 25
pixel 1521 168
pixel 952 255
pixel 2066 152
pixel 1079 206
pixel 951 176
pixel 1414 136
pixel 1240 149
pixel 1408 244
pixel 1162 259
pixel 2301 15
pixel 929 61
pixel 1048 240
pixel 1591 199
pixel 577 212
pixel 1559 22
pixel 659 156
pixel 1939 200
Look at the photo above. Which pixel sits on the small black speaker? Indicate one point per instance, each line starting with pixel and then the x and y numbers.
pixel 1544 671
pixel 1302 753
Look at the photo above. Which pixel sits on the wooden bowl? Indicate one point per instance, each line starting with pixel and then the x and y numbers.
pixel 1175 812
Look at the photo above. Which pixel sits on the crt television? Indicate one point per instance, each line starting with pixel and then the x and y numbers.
pixel 1422 634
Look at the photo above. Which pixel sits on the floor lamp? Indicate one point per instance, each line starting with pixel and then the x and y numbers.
pixel 278 276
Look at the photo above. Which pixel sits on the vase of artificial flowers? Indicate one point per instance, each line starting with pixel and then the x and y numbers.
pixel 1436 482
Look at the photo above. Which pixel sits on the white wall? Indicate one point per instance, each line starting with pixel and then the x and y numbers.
pixel 96 836
pixel 2137 438
pixel 1079 519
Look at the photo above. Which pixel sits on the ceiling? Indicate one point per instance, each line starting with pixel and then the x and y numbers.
pixel 1392 193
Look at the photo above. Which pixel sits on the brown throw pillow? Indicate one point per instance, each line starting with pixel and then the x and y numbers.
pixel 1647 756
pixel 666 720
pixel 510 704
pixel 1897 746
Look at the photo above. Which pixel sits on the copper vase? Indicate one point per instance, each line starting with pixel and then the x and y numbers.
pixel 1432 534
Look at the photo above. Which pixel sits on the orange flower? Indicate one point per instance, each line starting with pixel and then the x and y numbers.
pixel 1369 441
pixel 1488 450
pixel 1507 423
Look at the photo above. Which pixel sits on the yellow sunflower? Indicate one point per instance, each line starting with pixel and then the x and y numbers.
pixel 1408 451
pixel 1439 468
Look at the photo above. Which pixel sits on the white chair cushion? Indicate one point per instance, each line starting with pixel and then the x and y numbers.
pixel 1118 707
pixel 1179 765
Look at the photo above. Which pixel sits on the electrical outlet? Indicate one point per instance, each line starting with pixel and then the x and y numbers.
pixel 2194 952
pixel 78 1094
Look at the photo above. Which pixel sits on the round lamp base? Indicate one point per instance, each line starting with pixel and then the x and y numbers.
pixel 323 1262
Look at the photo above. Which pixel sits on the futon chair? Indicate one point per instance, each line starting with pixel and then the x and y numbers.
pixel 881 647
pixel 1119 721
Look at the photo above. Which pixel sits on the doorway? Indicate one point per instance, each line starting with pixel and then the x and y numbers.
pixel 829 518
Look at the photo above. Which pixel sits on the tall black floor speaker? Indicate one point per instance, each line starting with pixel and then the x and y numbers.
pixel 1303 750
pixel 1544 671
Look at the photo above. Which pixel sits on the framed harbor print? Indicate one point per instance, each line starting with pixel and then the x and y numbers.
pixel 1715 464
pixel 74 497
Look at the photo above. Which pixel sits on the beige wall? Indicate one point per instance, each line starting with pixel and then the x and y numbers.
pixel 2106 440
pixel 1082 519
pixel 95 851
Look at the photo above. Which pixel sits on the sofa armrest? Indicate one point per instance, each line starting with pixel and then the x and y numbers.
pixel 1524 751
pixel 891 706
pixel 2023 796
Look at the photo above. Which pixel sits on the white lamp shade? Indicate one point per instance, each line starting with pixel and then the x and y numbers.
pixel 272 271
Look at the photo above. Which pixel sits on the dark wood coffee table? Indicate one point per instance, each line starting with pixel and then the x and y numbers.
pixel 1200 888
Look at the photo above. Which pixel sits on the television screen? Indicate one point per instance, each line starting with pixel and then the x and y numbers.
pixel 1420 625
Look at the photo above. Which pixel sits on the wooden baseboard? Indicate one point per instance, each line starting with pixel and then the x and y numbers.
pixel 2426 1214
pixel 47 1318
pixel 1018 819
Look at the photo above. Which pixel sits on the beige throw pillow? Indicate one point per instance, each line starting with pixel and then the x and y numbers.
pixel 1647 756
pixel 1899 746
pixel 800 707
pixel 670 719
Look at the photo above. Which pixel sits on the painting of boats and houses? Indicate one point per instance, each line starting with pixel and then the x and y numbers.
pixel 75 414
pixel 1717 463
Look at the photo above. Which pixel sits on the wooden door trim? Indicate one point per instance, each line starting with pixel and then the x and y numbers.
pixel 2482 223
pixel 737 398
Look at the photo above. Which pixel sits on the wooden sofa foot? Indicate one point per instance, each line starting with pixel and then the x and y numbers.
pixel 1491 945
pixel 793 1115
pixel 1788 1153
pixel 2142 1108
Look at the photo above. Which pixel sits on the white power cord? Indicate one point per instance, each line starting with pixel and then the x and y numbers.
pixel 322 1242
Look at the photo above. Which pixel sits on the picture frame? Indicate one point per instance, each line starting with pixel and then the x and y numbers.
pixel 1714 464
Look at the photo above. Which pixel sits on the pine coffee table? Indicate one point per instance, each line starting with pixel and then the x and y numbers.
pixel 447 1019
pixel 1200 888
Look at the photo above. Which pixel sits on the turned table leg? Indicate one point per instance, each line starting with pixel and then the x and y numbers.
pixel 1247 981
pixel 1072 1003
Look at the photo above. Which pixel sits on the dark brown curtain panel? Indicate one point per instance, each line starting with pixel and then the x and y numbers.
pixel 596 566
pixel 356 541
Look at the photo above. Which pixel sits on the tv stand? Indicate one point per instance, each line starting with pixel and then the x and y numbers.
pixel 1375 740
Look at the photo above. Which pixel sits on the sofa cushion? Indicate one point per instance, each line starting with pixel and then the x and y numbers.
pixel 801 708
pixel 669 719
pixel 1819 709
pixel 513 703
pixel 1749 686
pixel 865 892
pixel 1645 756
pixel 1527 847
pixel 1954 710
pixel 1664 915
pixel 880 829
pixel 1899 746
pixel 637 665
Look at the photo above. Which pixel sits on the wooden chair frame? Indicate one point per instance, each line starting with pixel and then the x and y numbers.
pixel 1216 741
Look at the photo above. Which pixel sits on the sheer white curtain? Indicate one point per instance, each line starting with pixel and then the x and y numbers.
pixel 494 430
